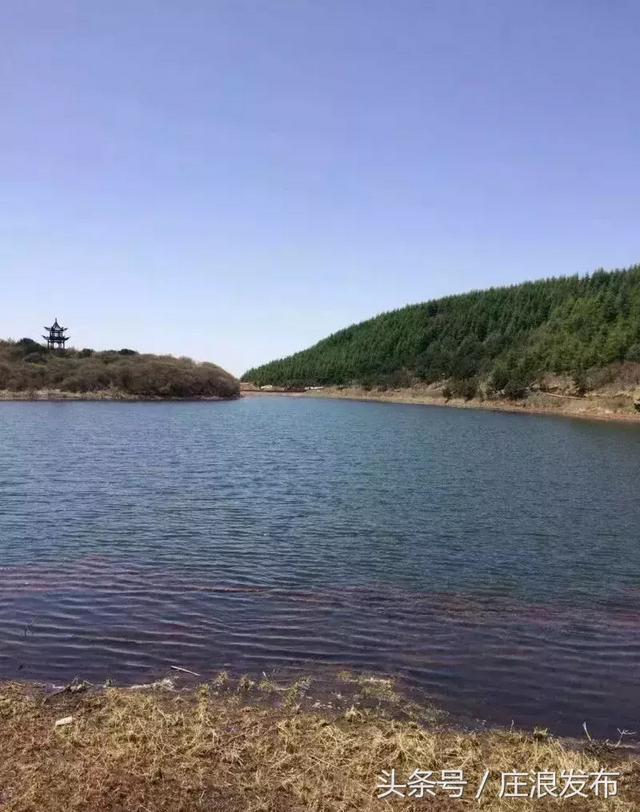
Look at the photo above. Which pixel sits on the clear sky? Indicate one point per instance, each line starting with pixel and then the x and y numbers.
pixel 234 180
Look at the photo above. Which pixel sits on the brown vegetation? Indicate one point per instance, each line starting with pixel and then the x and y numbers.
pixel 238 745
pixel 28 368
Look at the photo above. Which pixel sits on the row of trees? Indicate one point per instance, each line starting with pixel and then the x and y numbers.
pixel 506 336
pixel 26 365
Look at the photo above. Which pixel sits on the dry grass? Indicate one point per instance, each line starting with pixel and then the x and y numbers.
pixel 215 749
pixel 30 371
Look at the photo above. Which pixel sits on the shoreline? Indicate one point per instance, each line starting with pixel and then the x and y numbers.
pixel 585 408
pixel 539 403
pixel 236 745
pixel 108 396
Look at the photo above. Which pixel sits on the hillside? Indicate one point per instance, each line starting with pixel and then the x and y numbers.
pixel 27 368
pixel 499 341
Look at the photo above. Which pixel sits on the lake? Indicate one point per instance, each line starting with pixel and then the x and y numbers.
pixel 491 561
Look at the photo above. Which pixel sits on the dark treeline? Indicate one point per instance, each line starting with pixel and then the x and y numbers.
pixel 26 365
pixel 508 337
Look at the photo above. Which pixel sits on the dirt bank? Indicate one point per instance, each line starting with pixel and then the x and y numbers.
pixel 246 746
pixel 594 406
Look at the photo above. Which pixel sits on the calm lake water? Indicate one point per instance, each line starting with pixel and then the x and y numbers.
pixel 489 560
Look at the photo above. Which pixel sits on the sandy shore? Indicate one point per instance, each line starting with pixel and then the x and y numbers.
pixel 595 406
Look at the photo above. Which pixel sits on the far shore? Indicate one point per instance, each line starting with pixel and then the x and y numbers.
pixel 59 395
pixel 598 406
pixel 617 407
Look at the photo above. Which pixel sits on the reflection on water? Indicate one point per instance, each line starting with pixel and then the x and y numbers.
pixel 489 560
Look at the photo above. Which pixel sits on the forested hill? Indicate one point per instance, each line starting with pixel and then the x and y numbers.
pixel 508 337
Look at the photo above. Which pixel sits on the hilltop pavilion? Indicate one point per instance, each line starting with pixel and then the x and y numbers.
pixel 56 338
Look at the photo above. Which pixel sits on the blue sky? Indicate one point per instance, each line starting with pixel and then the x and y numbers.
pixel 235 180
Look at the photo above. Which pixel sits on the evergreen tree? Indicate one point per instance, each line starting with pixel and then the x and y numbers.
pixel 509 336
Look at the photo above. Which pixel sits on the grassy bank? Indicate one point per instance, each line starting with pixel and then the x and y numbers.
pixel 238 745
pixel 100 394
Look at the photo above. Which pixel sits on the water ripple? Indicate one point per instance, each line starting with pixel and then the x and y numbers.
pixel 489 560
